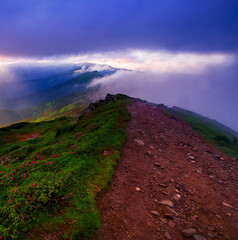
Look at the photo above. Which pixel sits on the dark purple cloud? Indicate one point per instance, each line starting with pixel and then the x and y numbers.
pixel 54 27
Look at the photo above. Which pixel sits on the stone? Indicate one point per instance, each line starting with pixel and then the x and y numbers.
pixel 218 216
pixel 172 211
pixel 191 192
pixel 138 189
pixel 210 228
pixel 150 153
pixel 169 215
pixel 168 203
pixel 140 131
pixel 227 205
pixel 177 197
pixel 194 218
pixel 167 235
pixel 139 142
pixel 198 237
pixel 171 224
pixel 210 235
pixel 157 164
pixel 163 220
pixel 155 213
pixel 189 232
pixel 212 176
pixel 191 157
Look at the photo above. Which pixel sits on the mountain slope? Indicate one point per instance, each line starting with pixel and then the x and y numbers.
pixel 168 179
pixel 26 80
pixel 52 170
pixel 169 184
pixel 216 133
pixel 211 122
pixel 76 84
pixel 68 105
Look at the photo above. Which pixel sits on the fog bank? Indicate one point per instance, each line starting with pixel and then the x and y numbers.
pixel 211 93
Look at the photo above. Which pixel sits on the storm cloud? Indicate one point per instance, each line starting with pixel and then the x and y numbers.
pixel 55 27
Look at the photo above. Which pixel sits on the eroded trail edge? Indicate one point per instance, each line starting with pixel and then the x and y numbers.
pixel 169 184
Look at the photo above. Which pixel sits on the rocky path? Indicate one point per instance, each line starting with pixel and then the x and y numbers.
pixel 169 184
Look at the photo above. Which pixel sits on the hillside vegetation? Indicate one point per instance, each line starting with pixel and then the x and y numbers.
pixel 68 105
pixel 216 133
pixel 51 171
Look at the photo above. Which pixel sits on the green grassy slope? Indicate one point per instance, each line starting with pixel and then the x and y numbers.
pixel 66 105
pixel 49 183
pixel 216 133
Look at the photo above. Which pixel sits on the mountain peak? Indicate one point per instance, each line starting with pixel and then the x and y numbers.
pixel 90 67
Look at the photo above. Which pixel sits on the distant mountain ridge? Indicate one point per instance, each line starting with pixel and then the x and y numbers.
pixel 29 80
pixel 37 91
pixel 76 84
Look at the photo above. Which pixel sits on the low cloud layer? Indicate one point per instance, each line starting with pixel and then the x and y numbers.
pixel 212 93
pixel 10 84
pixel 6 75
pixel 135 59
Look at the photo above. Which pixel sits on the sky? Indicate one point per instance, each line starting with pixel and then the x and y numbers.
pixel 183 52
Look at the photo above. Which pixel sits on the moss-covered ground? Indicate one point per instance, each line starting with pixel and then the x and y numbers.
pixel 51 171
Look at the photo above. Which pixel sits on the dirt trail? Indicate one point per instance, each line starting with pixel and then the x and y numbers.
pixel 168 159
